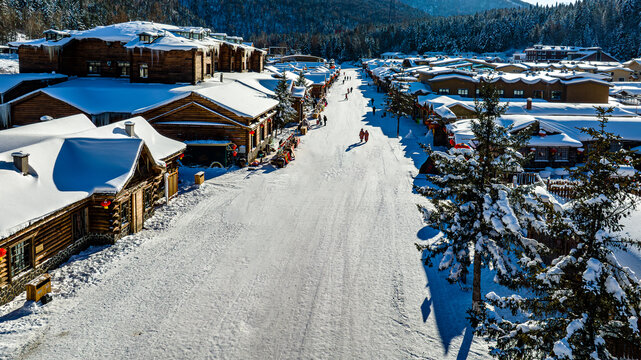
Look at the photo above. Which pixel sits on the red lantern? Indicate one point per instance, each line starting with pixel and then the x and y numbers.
pixel 252 132
pixel 532 149
pixel 262 125
pixel 462 146
pixel 269 120
pixel 542 133
pixel 580 150
pixel 3 252
pixel 234 154
pixel 181 156
pixel 452 143
pixel 105 204
pixel 234 147
pixel 553 151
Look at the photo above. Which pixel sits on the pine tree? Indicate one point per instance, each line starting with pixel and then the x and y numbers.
pixel 482 218
pixel 285 113
pixel 399 103
pixel 585 297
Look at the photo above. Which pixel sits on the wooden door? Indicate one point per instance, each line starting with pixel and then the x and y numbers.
pixel 172 182
pixel 138 212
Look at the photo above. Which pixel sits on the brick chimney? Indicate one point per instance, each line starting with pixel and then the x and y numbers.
pixel 21 162
pixel 129 127
pixel 528 105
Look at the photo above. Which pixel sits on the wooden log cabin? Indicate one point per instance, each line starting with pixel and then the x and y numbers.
pixel 139 51
pixel 67 184
pixel 209 118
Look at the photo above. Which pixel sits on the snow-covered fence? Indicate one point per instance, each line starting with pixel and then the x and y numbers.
pixel 561 187
pixel 525 178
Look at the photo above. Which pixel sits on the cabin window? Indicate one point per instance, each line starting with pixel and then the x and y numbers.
pixel 519 93
pixel 562 154
pixel 148 197
pixel 621 79
pixel 20 257
pixel 443 91
pixel 145 38
pixel 556 95
pixel 144 71
pixel 79 224
pixel 124 69
pixel 541 154
pixel 125 212
pixel 463 92
pixel 538 94
pixel 93 67
pixel 477 92
pixel 501 92
pixel 50 36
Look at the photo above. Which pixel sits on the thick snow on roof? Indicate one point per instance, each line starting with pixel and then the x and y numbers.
pixel 239 98
pixel 70 159
pixel 18 137
pixel 160 147
pixel 167 36
pixel 298 91
pixel 628 88
pixel 9 81
pixel 62 172
pixel 518 106
pixel 554 140
pixel 100 95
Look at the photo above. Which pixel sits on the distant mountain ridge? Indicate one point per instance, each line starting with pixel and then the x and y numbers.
pixel 462 7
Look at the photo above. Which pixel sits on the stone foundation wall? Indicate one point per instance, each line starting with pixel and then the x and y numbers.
pixel 18 286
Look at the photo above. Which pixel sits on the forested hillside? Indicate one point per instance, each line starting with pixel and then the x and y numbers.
pixel 349 29
pixel 237 17
pixel 461 7
pixel 611 24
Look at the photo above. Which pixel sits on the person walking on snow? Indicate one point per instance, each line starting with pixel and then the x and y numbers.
pixel 373 110
pixel 345 96
pixel 366 135
pixel 361 135
pixel 324 120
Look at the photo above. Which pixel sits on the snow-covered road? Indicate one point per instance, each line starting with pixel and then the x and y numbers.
pixel 316 260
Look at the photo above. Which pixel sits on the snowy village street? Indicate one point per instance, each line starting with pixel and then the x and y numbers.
pixel 316 260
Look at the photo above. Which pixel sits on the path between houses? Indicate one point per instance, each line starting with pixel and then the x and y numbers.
pixel 316 260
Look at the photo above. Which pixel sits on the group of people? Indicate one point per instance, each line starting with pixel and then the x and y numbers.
pixel 363 135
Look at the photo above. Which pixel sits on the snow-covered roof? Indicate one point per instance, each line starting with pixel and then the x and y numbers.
pixel 298 91
pixel 238 98
pixel 101 95
pixel 164 36
pixel 9 81
pixel 69 160
pixel 518 106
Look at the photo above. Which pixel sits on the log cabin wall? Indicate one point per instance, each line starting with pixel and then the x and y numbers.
pixel 106 58
pixel 168 67
pixel 39 59
pixel 47 244
pixel 31 108
pixel 257 61
pixel 226 57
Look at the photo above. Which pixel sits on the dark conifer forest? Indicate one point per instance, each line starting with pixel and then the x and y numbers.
pixel 350 29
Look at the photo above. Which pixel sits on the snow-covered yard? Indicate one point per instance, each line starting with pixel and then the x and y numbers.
pixel 316 260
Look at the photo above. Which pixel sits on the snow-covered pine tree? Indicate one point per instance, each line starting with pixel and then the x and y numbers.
pixel 586 297
pixel 285 113
pixel 399 103
pixel 302 81
pixel 481 216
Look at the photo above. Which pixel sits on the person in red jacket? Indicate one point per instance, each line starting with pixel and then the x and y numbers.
pixel 366 135
pixel 361 135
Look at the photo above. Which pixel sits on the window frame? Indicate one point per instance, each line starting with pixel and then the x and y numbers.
pixel 519 93
pixel 93 64
pixel 443 91
pixel 20 265
pixel 556 95
pixel 463 92
pixel 143 71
